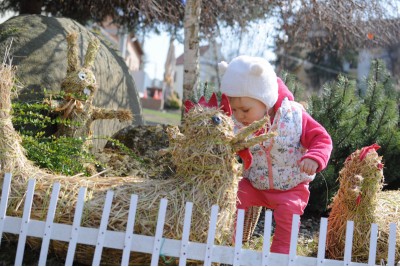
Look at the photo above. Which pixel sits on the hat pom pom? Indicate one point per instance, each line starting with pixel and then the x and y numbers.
pixel 222 67
pixel 256 69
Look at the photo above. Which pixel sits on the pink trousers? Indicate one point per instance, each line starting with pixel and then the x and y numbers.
pixel 283 203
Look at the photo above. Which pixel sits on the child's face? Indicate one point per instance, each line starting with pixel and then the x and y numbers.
pixel 246 110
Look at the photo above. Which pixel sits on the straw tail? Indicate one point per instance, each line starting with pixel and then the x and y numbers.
pixel 72 53
pixel 91 53
pixel 12 154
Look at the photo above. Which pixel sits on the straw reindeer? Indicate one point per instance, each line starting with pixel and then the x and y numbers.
pixel 79 88
pixel 207 173
pixel 360 199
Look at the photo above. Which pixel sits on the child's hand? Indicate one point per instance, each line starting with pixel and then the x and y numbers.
pixel 308 166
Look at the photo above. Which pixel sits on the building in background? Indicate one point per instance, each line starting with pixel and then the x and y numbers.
pixel 131 51
pixel 127 43
pixel 210 55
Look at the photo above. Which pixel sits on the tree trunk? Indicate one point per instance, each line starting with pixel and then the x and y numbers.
pixel 191 48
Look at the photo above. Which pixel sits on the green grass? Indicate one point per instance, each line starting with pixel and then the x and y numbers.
pixel 162 117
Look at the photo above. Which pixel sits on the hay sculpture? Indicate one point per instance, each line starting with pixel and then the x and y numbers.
pixel 207 174
pixel 79 88
pixel 361 200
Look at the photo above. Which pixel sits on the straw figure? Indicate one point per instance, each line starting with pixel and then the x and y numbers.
pixel 79 89
pixel 207 173
pixel 360 199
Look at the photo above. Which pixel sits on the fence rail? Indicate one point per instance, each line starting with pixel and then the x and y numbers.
pixel 158 246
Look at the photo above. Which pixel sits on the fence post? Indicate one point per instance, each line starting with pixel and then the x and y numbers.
pixel 323 230
pixel 159 232
pixel 130 226
pixel 4 201
pixel 392 244
pixel 185 233
pixel 348 242
pixel 238 237
pixel 75 226
pixel 293 239
pixel 44 250
pixel 25 222
pixel 103 228
pixel 267 236
pixel 211 235
pixel 372 244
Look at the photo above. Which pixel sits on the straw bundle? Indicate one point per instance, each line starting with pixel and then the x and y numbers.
pixel 207 174
pixel 11 153
pixel 361 200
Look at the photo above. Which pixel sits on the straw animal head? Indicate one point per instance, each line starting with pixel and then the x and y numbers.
pixel 80 82
pixel 207 119
pixel 362 177
pixel 208 141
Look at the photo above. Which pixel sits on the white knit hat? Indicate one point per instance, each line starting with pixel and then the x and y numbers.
pixel 251 77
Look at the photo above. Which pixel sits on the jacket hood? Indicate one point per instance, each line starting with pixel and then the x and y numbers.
pixel 283 92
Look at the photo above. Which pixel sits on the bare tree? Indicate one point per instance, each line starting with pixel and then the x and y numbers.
pixel 322 35
pixel 349 23
pixel 191 48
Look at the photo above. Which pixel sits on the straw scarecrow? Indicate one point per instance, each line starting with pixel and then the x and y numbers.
pixel 207 173
pixel 79 88
pixel 360 199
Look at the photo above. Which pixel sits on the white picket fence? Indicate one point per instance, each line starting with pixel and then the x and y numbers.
pixel 158 246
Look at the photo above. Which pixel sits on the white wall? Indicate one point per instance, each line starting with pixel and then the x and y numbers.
pixel 142 81
pixel 178 82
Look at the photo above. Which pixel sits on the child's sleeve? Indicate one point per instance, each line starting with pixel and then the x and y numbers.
pixel 316 140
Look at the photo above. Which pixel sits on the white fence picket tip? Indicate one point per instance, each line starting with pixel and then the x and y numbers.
pixel 49 224
pixel 293 239
pixel 348 243
pixel 26 216
pixel 103 228
pixel 323 229
pixel 267 236
pixel 129 231
pixel 4 201
pixel 75 227
pixel 158 239
pixel 238 237
pixel 372 244
pixel 185 234
pixel 211 236
pixel 392 244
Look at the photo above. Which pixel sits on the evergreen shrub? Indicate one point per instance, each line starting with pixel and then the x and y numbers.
pixel 356 118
